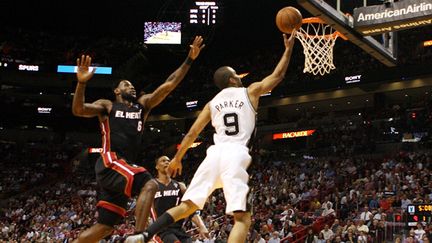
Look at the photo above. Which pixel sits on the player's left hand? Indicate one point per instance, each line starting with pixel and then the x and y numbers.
pixel 175 167
pixel 196 47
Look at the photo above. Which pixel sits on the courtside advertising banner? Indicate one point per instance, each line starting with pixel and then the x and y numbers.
pixel 296 134
pixel 393 16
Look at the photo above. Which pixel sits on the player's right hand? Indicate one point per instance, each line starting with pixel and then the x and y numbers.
pixel 289 42
pixel 83 72
pixel 175 167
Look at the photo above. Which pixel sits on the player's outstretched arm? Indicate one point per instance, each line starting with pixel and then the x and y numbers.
pixel 79 107
pixel 151 100
pixel 268 83
pixel 199 124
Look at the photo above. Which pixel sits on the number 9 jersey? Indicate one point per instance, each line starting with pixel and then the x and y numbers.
pixel 233 116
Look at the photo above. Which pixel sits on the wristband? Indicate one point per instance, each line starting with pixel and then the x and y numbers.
pixel 188 61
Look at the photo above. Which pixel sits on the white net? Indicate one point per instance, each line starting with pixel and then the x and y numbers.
pixel 318 40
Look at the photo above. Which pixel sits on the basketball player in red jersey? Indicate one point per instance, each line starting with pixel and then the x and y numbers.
pixel 122 125
pixel 167 196
pixel 232 112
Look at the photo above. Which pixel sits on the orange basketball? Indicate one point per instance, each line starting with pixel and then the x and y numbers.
pixel 288 19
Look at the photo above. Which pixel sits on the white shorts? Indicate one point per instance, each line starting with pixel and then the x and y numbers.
pixel 224 167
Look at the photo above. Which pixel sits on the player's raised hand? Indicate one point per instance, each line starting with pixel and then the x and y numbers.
pixel 196 47
pixel 289 42
pixel 175 167
pixel 83 73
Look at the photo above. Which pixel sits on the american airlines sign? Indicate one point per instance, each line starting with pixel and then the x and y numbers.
pixel 393 16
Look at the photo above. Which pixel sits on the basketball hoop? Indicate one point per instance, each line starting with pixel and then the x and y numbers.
pixel 318 39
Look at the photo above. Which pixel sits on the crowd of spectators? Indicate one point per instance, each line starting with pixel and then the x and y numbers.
pixel 344 196
pixel 330 198
pixel 26 166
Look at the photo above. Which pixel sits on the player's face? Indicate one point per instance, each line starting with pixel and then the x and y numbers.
pixel 162 164
pixel 238 81
pixel 236 78
pixel 127 90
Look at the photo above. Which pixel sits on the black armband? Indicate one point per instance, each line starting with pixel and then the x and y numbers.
pixel 188 61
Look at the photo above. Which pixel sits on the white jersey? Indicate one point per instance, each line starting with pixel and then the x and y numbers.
pixel 233 116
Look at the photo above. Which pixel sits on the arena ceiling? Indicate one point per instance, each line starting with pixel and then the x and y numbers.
pixel 243 25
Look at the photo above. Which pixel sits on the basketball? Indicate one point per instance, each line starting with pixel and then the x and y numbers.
pixel 288 19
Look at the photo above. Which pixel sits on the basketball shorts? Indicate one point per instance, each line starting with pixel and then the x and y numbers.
pixel 118 181
pixel 224 167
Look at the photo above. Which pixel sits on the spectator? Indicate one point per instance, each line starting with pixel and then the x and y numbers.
pixel 419 232
pixel 361 227
pixel 350 237
pixel 260 239
pixel 328 211
pixel 362 238
pixel 336 226
pixel 349 226
pixel 327 233
pixel 366 215
pixel 274 238
pixel 311 237
pixel 321 238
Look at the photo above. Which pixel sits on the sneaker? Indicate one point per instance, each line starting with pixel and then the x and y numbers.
pixel 140 238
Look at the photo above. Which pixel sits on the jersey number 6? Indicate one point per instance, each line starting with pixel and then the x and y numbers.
pixel 231 122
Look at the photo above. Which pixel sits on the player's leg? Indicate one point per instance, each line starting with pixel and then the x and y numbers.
pixel 111 205
pixel 145 199
pixel 186 240
pixel 202 185
pixel 172 215
pixel 242 222
pixel 183 210
pixel 183 236
pixel 235 187
pixel 118 176
pixel 94 234
pixel 205 180
pixel 169 237
pixel 106 221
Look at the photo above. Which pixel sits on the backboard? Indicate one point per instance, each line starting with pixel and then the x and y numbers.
pixel 338 14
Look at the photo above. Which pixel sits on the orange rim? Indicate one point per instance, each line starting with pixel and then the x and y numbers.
pixel 316 20
pixel 313 20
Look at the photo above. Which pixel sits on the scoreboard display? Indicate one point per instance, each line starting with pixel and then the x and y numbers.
pixel 419 213
pixel 204 12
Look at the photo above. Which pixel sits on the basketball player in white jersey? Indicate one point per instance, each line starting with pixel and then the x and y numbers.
pixel 232 113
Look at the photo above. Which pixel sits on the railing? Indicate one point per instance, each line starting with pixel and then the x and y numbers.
pixel 386 233
pixel 300 234
pixel 390 230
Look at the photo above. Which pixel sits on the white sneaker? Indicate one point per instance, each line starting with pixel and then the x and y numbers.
pixel 135 239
